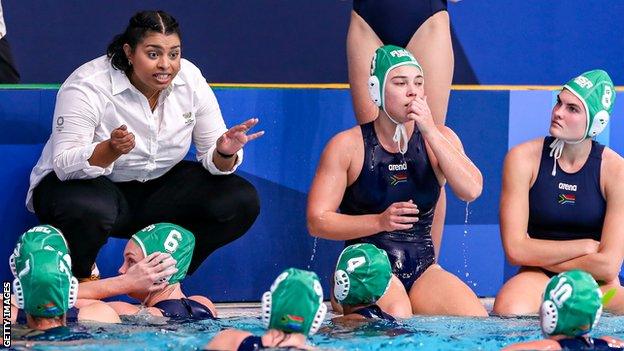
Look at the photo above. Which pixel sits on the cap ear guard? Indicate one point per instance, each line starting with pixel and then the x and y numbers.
pixel 341 285
pixel 598 315
pixel 550 316
pixel 600 121
pixel 13 257
pixel 374 90
pixel 319 317
pixel 73 292
pixel 18 290
pixel 12 265
pixel 19 293
pixel 266 308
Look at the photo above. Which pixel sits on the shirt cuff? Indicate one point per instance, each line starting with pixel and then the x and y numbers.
pixel 90 170
pixel 208 163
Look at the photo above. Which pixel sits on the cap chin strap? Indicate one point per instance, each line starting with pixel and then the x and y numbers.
pixel 400 132
pixel 556 149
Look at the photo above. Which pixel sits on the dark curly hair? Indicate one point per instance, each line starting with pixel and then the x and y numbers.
pixel 139 26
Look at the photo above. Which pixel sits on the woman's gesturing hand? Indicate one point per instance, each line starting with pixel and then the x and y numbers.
pixel 236 137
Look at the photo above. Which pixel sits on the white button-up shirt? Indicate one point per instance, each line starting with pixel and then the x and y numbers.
pixel 96 99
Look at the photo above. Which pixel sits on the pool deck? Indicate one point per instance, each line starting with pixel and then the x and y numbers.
pixel 252 309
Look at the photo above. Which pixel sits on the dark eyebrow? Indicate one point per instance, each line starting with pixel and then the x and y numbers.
pixel 405 77
pixel 568 103
pixel 160 47
pixel 575 106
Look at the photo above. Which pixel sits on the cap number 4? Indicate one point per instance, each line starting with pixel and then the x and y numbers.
pixel 354 263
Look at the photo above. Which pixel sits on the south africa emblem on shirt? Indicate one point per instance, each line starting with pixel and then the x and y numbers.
pixel 188 118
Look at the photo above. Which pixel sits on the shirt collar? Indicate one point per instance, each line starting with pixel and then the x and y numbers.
pixel 177 80
pixel 119 81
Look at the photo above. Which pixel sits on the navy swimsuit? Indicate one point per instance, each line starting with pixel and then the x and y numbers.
pixel 251 343
pixel 567 206
pixel 184 308
pixel 387 178
pixel 373 312
pixel 396 21
pixel 585 343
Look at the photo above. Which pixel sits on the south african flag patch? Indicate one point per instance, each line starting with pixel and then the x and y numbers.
pixel 567 199
pixel 398 178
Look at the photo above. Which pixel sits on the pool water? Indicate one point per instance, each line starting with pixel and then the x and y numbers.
pixel 420 333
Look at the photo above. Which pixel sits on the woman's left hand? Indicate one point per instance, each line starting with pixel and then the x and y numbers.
pixel 236 137
pixel 418 111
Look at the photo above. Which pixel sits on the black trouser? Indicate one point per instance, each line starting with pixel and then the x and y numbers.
pixel 217 209
pixel 8 71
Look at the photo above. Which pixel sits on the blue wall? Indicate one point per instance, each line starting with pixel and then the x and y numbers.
pixel 281 41
pixel 298 123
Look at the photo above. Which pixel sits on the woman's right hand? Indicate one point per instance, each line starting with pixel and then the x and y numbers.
pixel 151 273
pixel 591 246
pixel 398 216
pixel 121 140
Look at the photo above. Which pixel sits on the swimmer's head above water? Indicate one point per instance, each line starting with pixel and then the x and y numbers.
pixel 572 304
pixel 161 237
pixel 45 286
pixel 582 111
pixel 596 93
pixel 294 303
pixel 396 70
pixel 386 59
pixel 362 275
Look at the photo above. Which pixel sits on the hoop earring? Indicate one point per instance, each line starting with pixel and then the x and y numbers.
pixel 129 62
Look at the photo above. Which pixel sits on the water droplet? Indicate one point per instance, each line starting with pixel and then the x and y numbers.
pixel 313 252
pixel 464 250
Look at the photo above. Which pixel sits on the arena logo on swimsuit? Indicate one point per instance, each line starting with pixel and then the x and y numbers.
pixel 399 167
pixel 569 187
